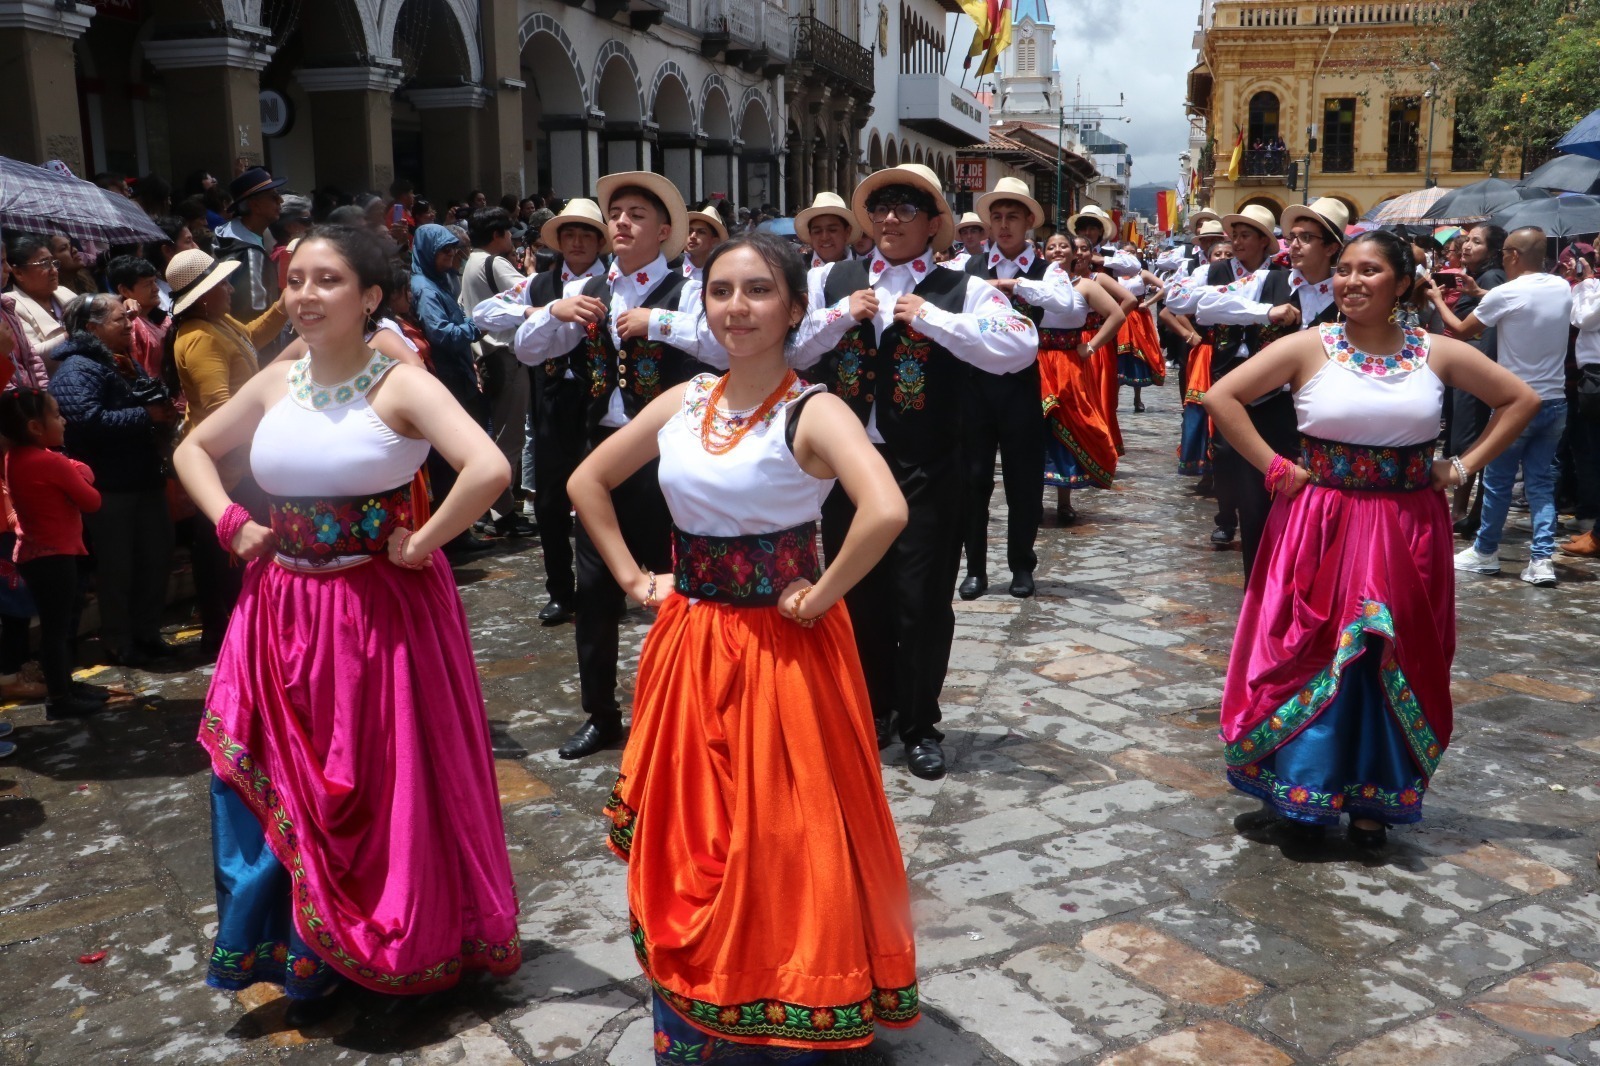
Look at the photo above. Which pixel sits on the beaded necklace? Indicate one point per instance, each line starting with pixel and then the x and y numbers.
pixel 740 423
pixel 308 393
pixel 1413 352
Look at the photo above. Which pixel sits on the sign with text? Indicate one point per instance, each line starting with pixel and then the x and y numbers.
pixel 972 175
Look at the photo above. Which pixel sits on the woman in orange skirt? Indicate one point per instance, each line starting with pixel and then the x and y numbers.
pixel 1103 363
pixel 1078 445
pixel 1140 360
pixel 767 893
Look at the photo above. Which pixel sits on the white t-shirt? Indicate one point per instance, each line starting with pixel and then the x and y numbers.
pixel 1533 314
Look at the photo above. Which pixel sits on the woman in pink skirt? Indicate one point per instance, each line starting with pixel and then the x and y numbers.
pixel 1337 699
pixel 356 825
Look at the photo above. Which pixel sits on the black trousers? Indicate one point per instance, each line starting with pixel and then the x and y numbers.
pixel 441 475
pixel 600 602
pixel 1240 485
pixel 1002 410
pixel 132 542
pixel 560 407
pixel 54 582
pixel 901 610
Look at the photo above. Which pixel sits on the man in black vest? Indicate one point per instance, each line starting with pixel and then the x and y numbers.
pixel 900 332
pixel 559 391
pixel 637 330
pixel 1256 311
pixel 1003 410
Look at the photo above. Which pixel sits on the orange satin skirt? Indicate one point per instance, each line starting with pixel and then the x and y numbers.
pixel 768 896
pixel 1103 367
pixel 1070 393
pixel 1137 337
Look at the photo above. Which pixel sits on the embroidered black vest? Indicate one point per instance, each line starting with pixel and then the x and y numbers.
pixel 912 380
pixel 978 267
pixel 1275 290
pixel 642 368
pixel 545 289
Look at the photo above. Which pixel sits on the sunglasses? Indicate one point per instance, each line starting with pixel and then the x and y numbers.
pixel 43 264
pixel 902 212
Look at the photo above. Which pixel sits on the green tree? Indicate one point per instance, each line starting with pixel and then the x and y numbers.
pixel 1533 104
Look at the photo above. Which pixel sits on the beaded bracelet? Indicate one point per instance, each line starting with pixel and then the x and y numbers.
pixel 799 600
pixel 1461 469
pixel 650 594
pixel 400 552
pixel 1280 475
pixel 233 519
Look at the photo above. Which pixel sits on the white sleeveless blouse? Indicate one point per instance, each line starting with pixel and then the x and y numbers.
pixel 1379 401
pixel 756 487
pixel 328 441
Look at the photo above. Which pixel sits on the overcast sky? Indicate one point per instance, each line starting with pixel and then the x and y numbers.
pixel 1140 48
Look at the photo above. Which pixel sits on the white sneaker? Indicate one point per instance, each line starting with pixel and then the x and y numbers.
pixel 1541 572
pixel 1469 560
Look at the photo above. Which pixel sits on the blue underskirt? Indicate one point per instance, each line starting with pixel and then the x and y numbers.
pixel 1133 370
pixel 676 1041
pixel 1061 468
pixel 1194 447
pixel 1352 759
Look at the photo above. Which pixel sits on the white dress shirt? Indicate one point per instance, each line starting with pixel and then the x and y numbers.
pixel 1183 298
pixel 1054 292
pixel 542 336
pixel 1120 264
pixel 505 312
pixel 1586 317
pixel 1240 304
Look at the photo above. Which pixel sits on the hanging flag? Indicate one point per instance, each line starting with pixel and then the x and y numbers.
pixel 1131 234
pixel 1238 155
pixel 978 12
pixel 999 35
pixel 1167 210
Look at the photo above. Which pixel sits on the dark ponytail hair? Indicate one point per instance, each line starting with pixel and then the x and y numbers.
pixel 1396 251
pixel 19 407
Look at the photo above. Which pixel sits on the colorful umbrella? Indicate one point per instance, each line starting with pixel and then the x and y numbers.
pixel 1409 207
pixel 37 200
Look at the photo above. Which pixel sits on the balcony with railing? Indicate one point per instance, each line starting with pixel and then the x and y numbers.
pixel 832 55
pixel 678 12
pixel 1264 162
pixel 1339 159
pixel 1275 14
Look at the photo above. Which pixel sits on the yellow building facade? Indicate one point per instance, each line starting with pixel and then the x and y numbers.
pixel 1278 74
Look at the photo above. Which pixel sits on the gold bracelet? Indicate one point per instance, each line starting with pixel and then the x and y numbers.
pixel 650 595
pixel 799 601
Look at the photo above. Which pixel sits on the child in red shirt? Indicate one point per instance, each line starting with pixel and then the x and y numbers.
pixel 49 493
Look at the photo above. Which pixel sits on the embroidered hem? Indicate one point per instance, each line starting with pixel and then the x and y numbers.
pixel 1299 710
pixel 1092 472
pixel 785 1024
pixel 302 976
pixel 1305 804
pixel 620 837
pixel 234 764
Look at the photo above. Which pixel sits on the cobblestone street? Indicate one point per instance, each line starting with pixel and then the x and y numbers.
pixel 1083 894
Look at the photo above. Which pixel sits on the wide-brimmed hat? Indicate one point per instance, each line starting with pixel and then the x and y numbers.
pixel 1211 229
pixel 1202 216
pixel 1332 215
pixel 1252 215
pixel 192 274
pixel 917 176
pixel 1095 213
pixel 580 211
pixel 663 190
pixel 252 181
pixel 1011 189
pixel 970 218
pixel 712 219
pixel 827 203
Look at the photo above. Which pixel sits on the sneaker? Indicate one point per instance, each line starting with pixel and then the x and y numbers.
pixel 1541 572
pixel 1469 560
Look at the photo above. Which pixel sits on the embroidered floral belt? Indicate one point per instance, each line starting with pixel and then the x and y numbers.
pixel 1060 340
pixel 322 530
pixel 749 571
pixel 1337 465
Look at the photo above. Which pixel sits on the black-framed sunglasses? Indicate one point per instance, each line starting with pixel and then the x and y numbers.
pixel 902 212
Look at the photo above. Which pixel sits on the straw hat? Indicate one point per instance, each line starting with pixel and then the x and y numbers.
pixel 917 176
pixel 826 203
pixel 1211 230
pixel 1203 215
pixel 1011 189
pixel 1094 213
pixel 970 218
pixel 192 274
pixel 581 211
pixel 663 190
pixel 712 219
pixel 1252 215
pixel 1332 215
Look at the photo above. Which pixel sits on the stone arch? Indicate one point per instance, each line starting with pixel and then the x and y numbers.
pixel 716 109
pixel 616 84
pixel 1271 203
pixel 545 37
pixel 891 155
pixel 916 154
pixel 555 109
pixel 671 81
pixel 752 104
pixel 463 13
pixel 875 153
pixel 673 113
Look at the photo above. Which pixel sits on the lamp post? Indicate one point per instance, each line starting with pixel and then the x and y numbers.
pixel 1061 135
pixel 1433 108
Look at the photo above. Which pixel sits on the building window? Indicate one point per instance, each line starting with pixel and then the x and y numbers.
pixel 1466 151
pixel 1027 56
pixel 1339 135
pixel 1264 150
pixel 1405 116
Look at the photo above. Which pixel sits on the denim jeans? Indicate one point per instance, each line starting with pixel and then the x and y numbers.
pixel 1535 453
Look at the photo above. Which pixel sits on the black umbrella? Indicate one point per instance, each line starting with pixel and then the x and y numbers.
pixel 1481 199
pixel 1567 173
pixel 1559 216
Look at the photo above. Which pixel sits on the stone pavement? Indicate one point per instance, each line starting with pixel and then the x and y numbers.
pixel 1083 895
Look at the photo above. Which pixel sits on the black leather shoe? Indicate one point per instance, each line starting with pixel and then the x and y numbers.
pixel 886 731
pixel 514 525
pixel 1021 584
pixel 83 691
pixel 591 738
pixel 555 613
pixel 925 759
pixel 1465 527
pixel 1221 538
pixel 974 586
pixel 1367 839
pixel 155 649
pixel 71 707
pixel 306 1013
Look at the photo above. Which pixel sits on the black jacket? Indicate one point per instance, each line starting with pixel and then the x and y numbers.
pixel 108 427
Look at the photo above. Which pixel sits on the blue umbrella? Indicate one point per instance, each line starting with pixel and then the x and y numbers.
pixel 1584 138
pixel 783 227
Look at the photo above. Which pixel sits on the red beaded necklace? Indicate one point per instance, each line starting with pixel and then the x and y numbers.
pixel 743 425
